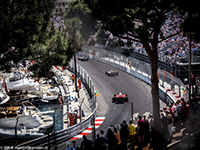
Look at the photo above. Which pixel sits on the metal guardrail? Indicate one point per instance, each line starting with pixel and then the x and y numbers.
pixel 65 134
pixel 136 63
pixel 60 136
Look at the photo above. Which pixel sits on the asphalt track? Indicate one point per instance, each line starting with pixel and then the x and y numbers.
pixel 138 92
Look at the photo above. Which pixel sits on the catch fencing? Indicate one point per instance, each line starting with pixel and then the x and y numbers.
pixel 137 68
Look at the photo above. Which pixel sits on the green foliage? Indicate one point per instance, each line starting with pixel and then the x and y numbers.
pixel 140 19
pixel 77 9
pixel 75 42
pixel 21 21
pixel 51 50
pixel 101 36
pixel 56 48
pixel 27 33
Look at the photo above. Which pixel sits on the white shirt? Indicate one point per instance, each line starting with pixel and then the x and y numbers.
pixel 175 111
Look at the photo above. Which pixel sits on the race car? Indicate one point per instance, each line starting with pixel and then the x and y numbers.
pixel 83 58
pixel 120 98
pixel 111 73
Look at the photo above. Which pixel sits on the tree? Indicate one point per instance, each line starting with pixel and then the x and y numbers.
pixel 77 9
pixel 28 34
pixel 56 48
pixel 21 21
pixel 139 21
pixel 101 36
pixel 76 42
pixel 52 50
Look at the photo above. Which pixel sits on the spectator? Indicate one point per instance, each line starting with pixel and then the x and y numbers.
pixel 178 107
pixel 117 137
pixel 68 146
pixel 110 139
pixel 124 132
pixel 102 134
pixel 164 124
pixel 98 143
pixel 103 137
pixel 171 110
pixel 185 113
pixel 74 146
pixel 176 115
pixel 146 131
pixel 169 124
pixel 192 79
pixel 86 144
pixel 151 122
pixel 125 125
pixel 164 110
pixel 132 132
pixel 139 125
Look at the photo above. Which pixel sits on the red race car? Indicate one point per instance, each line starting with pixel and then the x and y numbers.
pixel 120 98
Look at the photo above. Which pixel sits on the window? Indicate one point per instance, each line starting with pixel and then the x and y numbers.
pixel 63 4
pixel 66 9
pixel 66 3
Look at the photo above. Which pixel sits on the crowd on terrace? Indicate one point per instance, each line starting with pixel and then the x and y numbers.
pixel 174 47
pixel 177 46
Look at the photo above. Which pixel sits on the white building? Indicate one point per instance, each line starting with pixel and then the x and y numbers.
pixel 61 6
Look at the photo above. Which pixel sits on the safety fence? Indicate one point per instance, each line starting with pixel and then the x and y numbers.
pixel 136 68
pixel 116 58
pixel 85 78
pixel 65 134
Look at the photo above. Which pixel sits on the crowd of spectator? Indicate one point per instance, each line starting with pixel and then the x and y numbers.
pixel 174 117
pixel 127 137
pixel 180 44
pixel 174 48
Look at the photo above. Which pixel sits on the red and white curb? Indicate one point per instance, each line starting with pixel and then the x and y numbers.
pixel 98 122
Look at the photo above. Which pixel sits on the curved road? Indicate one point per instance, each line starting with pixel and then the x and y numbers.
pixel 138 92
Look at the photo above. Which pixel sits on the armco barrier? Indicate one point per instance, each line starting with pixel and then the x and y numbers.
pixel 63 135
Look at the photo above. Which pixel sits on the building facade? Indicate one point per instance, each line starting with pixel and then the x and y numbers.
pixel 61 6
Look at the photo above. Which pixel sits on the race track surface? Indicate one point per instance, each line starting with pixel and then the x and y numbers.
pixel 138 92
